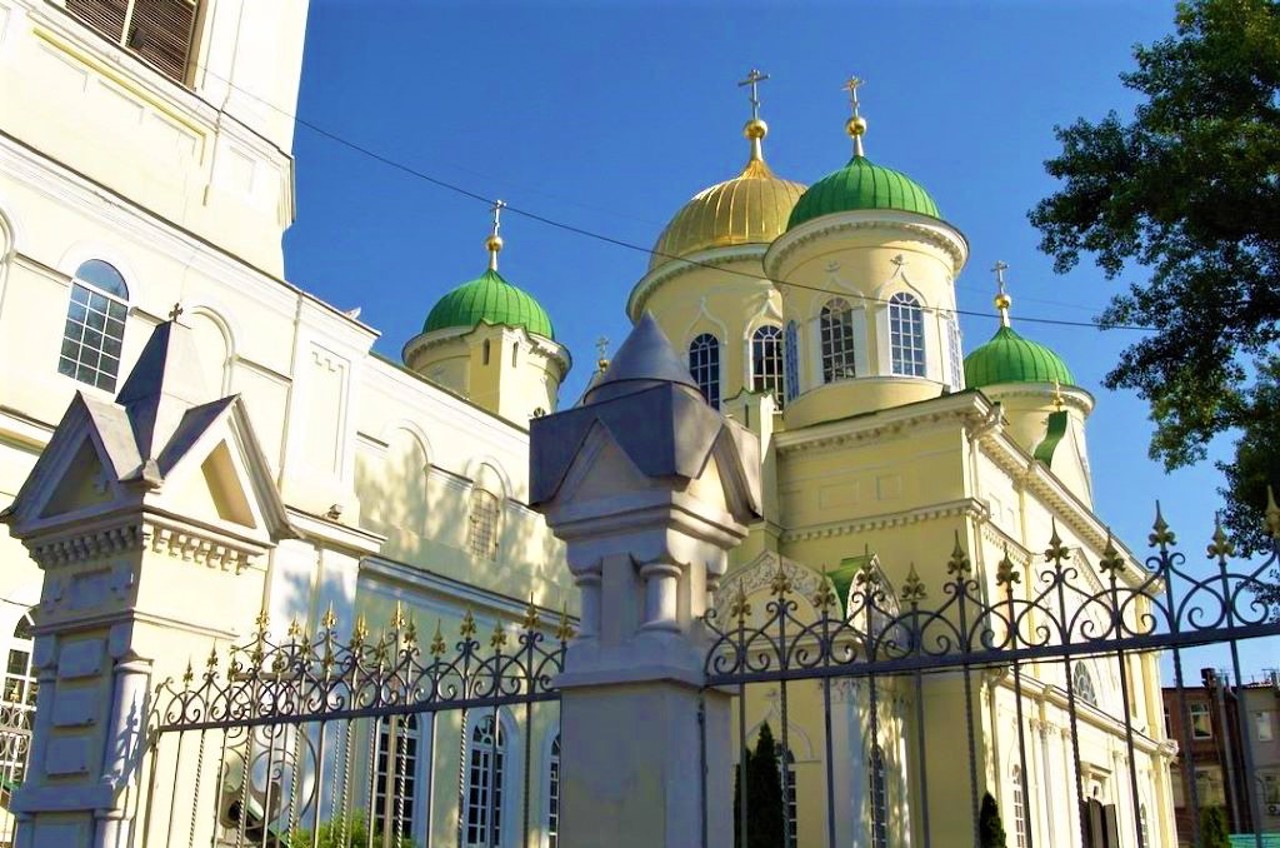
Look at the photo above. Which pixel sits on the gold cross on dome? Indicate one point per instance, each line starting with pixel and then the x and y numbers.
pixel 999 268
pixel 602 346
pixel 176 312
pixel 852 85
pixel 754 78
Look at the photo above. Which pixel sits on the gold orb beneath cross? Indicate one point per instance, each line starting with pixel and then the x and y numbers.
pixel 494 243
pixel 856 126
pixel 1003 301
pixel 755 128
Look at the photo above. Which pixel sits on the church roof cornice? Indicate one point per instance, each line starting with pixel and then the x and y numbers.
pixel 934 233
pixel 710 258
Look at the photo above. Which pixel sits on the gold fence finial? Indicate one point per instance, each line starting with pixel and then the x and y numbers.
pixel 1161 536
pixel 913 591
pixel 958 564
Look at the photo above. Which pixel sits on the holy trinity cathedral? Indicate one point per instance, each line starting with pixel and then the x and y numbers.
pixel 143 305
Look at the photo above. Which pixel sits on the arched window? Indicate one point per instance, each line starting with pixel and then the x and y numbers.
pixel 482 533
pixel 766 362
pixel 836 328
pixel 879 799
pixel 515 354
pixel 704 365
pixel 1082 681
pixel 19 704
pixel 1019 810
pixel 396 779
pixel 94 332
pixel 906 335
pixel 953 352
pixel 484 352
pixel 553 795
pixel 787 765
pixel 1143 827
pixel 486 761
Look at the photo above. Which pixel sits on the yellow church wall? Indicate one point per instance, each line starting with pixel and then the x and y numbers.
pixel 157 142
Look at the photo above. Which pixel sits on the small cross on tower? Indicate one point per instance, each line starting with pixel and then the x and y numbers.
pixel 176 312
pixel 1002 301
pixel 856 125
pixel 754 79
pixel 602 349
pixel 494 242
pixel 852 85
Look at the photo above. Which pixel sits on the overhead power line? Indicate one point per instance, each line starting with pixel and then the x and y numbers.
pixel 619 242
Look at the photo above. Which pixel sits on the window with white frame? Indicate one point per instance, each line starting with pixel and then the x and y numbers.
pixel 396 777
pixel 1019 810
pixel 1201 723
pixel 482 533
pixel 553 795
pixel 486 769
pixel 704 365
pixel 879 800
pixel 1262 726
pixel 766 362
pixel 906 335
pixel 954 354
pixel 94 332
pixel 19 704
pixel 160 32
pixel 1082 681
pixel 835 327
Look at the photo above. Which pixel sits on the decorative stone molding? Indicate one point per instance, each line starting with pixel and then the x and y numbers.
pixel 965 507
pixel 917 229
pixel 842 434
pixel 94 544
pixel 672 269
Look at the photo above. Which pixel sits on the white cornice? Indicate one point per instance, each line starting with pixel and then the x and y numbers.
pixel 964 507
pixel 962 408
pixel 931 231
pixel 712 257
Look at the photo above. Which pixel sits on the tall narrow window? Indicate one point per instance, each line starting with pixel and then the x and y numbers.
pixel 879 800
pixel 787 764
pixel 791 358
pixel 19 704
pixel 836 328
pixel 906 335
pixel 1143 826
pixel 553 795
pixel 766 362
pixel 1019 810
pixel 704 365
pixel 160 32
pixel 396 779
pixel 953 352
pixel 482 534
pixel 1201 724
pixel 1083 683
pixel 94 332
pixel 486 761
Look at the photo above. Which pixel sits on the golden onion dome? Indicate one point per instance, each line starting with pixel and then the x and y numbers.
pixel 751 208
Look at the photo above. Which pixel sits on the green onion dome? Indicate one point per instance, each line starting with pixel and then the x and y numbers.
pixel 1009 358
pixel 862 185
pixel 491 299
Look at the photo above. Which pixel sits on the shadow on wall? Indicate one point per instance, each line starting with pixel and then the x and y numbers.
pixel 426 514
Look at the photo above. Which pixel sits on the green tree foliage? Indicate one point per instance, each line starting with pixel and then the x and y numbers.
pixel 1213 828
pixel 1186 192
pixel 990 830
pixel 765 804
pixel 353 833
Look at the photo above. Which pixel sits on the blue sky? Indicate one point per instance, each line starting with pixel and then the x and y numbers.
pixel 608 116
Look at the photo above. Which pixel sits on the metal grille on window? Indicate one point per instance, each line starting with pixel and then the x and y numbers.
pixel 704 365
pixel 1082 680
pixel 553 796
pixel 954 352
pixel 766 362
pixel 395 784
pixel 486 760
pixel 787 761
pixel 879 800
pixel 160 32
pixel 906 335
pixel 94 332
pixel 836 330
pixel 18 707
pixel 482 536
pixel 1019 810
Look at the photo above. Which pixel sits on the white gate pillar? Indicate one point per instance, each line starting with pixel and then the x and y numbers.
pixel 650 489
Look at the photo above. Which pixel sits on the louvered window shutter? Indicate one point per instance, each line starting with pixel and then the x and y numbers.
pixel 160 32
pixel 105 17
